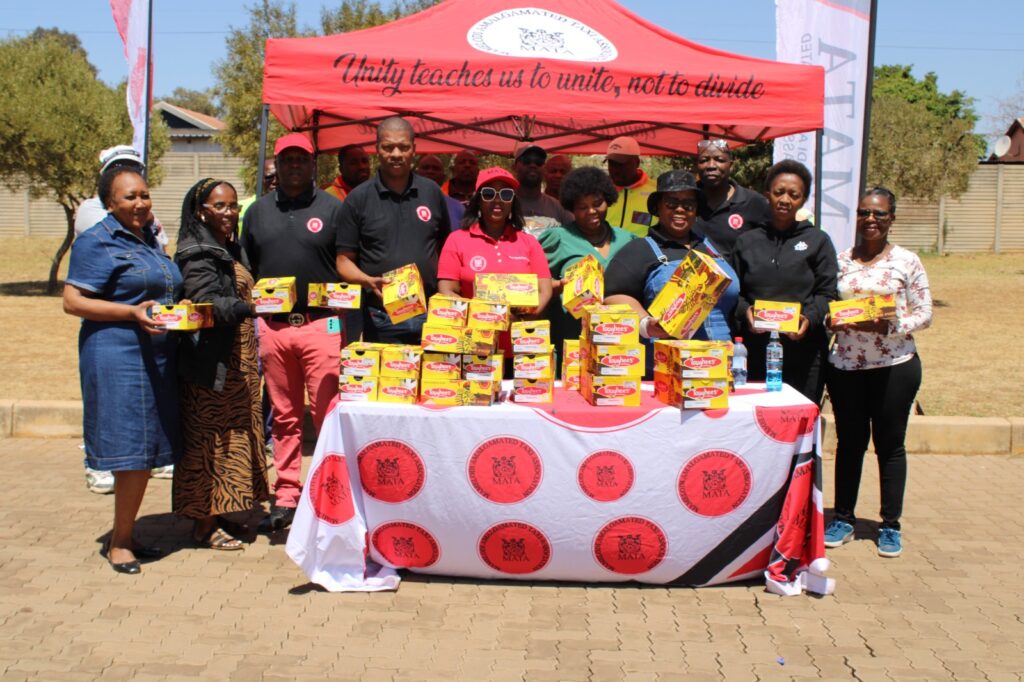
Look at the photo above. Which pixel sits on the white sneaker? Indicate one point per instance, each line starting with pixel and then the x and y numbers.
pixel 163 472
pixel 99 482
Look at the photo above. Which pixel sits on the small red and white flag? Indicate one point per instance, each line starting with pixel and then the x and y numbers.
pixel 132 20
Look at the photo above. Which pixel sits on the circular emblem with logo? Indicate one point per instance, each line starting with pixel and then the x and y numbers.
pixel 515 547
pixel 539 33
pixel 630 545
pixel 477 263
pixel 390 471
pixel 605 476
pixel 314 225
pixel 423 213
pixel 405 545
pixel 735 221
pixel 329 491
pixel 714 483
pixel 786 424
pixel 504 470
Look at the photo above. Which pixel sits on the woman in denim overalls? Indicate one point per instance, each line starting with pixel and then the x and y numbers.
pixel 642 268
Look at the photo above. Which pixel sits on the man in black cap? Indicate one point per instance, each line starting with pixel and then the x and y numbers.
pixel 540 210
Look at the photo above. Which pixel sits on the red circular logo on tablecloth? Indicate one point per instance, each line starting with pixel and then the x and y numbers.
pixel 314 225
pixel 605 476
pixel 630 545
pixel 735 221
pixel 329 491
pixel 423 213
pixel 391 471
pixel 714 483
pixel 786 424
pixel 515 547
pixel 406 545
pixel 504 470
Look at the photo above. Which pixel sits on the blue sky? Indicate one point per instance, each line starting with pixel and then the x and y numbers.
pixel 975 47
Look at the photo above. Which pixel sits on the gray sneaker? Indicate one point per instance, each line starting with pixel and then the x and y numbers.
pixel 163 472
pixel 99 482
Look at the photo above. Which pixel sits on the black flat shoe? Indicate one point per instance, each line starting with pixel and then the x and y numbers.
pixel 278 519
pixel 142 552
pixel 128 567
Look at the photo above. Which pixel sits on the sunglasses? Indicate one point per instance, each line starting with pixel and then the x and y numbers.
pixel 717 143
pixel 879 215
pixel 489 193
pixel 221 207
pixel 673 204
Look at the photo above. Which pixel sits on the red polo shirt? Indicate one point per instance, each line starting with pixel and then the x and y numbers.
pixel 468 252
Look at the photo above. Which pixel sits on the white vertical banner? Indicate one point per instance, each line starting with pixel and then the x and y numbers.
pixel 833 34
pixel 132 20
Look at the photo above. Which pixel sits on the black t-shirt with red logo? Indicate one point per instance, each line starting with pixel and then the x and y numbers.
pixel 293 237
pixel 389 230
pixel 745 211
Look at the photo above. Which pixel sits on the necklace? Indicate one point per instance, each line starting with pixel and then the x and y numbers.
pixel 606 234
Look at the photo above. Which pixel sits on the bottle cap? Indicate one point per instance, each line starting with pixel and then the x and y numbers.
pixel 738 339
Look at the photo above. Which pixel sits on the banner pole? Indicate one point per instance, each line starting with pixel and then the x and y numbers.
pixel 149 89
pixel 873 17
pixel 264 120
pixel 819 137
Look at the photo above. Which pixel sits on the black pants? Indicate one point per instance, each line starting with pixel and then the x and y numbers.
pixel 803 362
pixel 873 403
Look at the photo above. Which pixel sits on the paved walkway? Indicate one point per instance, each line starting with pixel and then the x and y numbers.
pixel 950 609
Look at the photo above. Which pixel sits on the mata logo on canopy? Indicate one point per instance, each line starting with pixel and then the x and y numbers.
pixel 532 32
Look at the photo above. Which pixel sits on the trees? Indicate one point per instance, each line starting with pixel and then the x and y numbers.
pixel 922 142
pixel 241 73
pixel 202 101
pixel 56 117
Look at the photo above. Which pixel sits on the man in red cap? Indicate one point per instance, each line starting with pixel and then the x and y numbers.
pixel 633 184
pixel 291 232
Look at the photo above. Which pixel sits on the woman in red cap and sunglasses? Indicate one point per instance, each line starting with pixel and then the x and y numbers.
pixel 492 240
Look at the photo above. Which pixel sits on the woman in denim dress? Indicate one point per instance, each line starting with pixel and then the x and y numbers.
pixel 126 360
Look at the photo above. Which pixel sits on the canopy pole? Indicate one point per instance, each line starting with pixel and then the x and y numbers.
pixel 149 91
pixel 868 91
pixel 819 137
pixel 264 121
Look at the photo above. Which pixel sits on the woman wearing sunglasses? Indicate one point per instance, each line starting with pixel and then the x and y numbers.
pixel 492 241
pixel 222 469
pixel 874 371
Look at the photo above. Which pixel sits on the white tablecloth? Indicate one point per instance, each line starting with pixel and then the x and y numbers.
pixel 564 491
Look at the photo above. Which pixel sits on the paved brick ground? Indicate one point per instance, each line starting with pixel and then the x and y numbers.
pixel 950 609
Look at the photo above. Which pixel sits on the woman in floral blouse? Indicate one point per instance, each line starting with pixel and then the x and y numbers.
pixel 874 370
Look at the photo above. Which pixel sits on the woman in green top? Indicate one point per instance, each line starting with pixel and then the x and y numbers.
pixel 586 192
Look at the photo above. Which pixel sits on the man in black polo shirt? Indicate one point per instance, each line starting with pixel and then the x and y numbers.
pixel 291 232
pixel 395 218
pixel 726 209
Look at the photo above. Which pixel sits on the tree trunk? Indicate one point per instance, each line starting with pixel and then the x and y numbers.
pixel 69 206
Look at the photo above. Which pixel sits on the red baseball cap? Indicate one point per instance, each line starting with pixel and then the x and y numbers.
pixel 297 140
pixel 495 173
pixel 623 146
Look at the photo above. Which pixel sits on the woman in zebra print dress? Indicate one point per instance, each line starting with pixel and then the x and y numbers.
pixel 223 468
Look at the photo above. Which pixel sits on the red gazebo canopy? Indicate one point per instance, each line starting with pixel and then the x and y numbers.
pixel 567 74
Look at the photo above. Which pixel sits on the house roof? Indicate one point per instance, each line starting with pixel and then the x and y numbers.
pixel 193 118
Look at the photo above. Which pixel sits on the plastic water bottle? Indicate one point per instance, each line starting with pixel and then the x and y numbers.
pixel 739 362
pixel 773 363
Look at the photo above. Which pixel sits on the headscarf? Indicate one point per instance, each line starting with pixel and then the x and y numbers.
pixel 196 196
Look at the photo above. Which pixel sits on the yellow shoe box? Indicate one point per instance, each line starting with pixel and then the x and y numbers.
pixel 335 295
pixel 274 295
pixel 483 367
pixel 183 316
pixel 613 324
pixel 360 360
pixel 515 290
pixel 865 309
pixel 403 293
pixel 584 285
pixel 668 389
pixel 441 339
pixel 441 367
pixel 447 311
pixel 533 366
pixel 780 316
pixel 487 315
pixel 689 295
pixel 357 389
pixel 624 359
pixel 458 392
pixel 705 394
pixel 401 362
pixel 533 390
pixel 396 390
pixel 610 391
pixel 531 336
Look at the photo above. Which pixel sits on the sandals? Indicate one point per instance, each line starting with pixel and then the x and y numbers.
pixel 219 539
